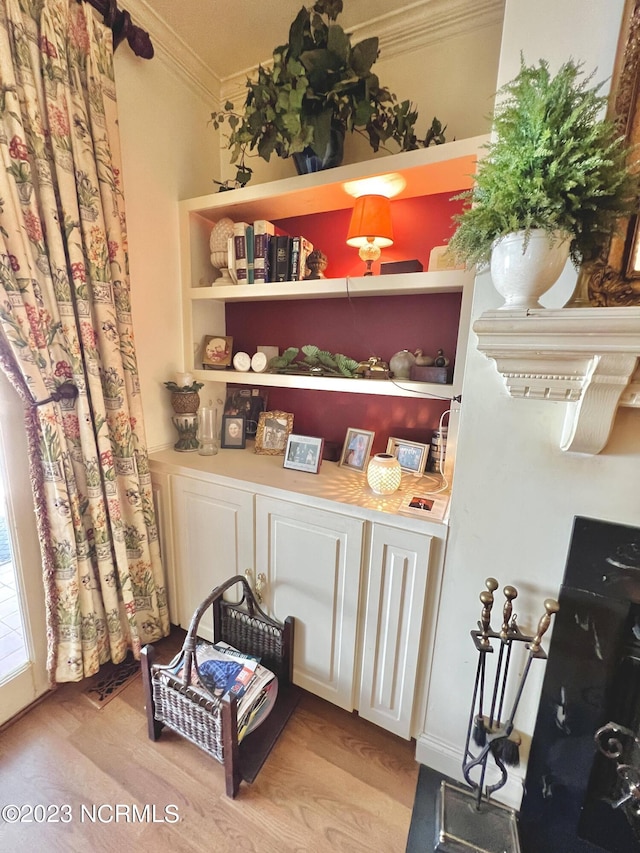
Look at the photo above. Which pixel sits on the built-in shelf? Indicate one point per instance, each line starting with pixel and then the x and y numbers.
pixel 586 357
pixel 404 284
pixel 379 387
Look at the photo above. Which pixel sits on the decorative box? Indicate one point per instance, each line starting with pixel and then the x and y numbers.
pixel 331 451
pixel 422 373
pixel 393 267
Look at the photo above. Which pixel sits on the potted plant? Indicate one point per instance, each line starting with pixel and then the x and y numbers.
pixel 556 175
pixel 319 87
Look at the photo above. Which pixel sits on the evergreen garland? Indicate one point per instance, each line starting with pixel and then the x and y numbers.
pixel 552 164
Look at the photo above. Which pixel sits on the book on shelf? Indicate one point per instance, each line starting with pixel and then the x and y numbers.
pixel 281 258
pixel 294 264
pixel 231 259
pixel 306 247
pixel 240 247
pixel 249 238
pixel 262 231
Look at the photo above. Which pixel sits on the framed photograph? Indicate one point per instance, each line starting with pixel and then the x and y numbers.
pixel 411 455
pixel 303 453
pixel 356 449
pixel 426 506
pixel 274 428
pixel 233 431
pixel 217 351
pixel 248 402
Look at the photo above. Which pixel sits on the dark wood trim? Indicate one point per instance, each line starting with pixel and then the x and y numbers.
pixel 119 20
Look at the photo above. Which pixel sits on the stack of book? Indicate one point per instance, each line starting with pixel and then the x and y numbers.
pixel 257 254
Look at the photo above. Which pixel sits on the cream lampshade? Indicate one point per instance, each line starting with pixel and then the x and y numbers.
pixel 370 228
pixel 384 473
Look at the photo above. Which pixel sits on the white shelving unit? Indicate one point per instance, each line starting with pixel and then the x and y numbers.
pixel 442 168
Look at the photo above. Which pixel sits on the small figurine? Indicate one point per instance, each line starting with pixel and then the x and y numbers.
pixel 422 360
pixel 373 368
pixel 317 263
pixel 441 360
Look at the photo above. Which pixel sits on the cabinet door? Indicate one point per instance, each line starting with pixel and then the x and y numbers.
pixel 395 592
pixel 213 536
pixel 312 561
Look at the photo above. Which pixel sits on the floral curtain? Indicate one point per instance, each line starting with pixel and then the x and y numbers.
pixel 65 324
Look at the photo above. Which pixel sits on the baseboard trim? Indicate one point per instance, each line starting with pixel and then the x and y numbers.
pixel 446 758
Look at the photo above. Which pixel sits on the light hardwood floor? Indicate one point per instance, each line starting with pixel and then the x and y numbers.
pixel 332 783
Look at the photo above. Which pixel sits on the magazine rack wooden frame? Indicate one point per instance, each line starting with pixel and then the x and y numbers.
pixel 211 723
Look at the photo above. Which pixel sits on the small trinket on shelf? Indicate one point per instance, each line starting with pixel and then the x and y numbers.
pixel 317 263
pixel 373 368
pixel 401 364
pixel 422 360
pixel 441 360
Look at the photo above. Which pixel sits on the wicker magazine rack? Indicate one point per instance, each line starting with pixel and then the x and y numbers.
pixel 208 721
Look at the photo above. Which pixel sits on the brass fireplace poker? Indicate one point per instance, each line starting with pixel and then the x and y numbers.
pixel 493 734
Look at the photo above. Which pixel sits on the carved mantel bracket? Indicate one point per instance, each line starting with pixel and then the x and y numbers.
pixel 586 357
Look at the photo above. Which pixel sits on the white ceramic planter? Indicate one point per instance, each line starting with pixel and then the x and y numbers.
pixel 522 276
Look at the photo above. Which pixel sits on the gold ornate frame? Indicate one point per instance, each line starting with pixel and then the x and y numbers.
pixel 264 438
pixel 615 280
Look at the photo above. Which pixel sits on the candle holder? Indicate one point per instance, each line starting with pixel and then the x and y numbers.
pixel 187 426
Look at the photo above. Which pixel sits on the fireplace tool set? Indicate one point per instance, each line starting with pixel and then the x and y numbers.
pixel 490 733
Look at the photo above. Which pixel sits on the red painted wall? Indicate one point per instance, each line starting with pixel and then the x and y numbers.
pixel 419 224
pixel 360 327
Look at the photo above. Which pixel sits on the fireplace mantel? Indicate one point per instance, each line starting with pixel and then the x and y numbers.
pixel 586 357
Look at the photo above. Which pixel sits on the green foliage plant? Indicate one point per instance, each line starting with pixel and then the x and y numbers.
pixel 319 84
pixel 554 163
pixel 314 361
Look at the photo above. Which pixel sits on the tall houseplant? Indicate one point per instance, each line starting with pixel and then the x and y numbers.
pixel 554 165
pixel 319 88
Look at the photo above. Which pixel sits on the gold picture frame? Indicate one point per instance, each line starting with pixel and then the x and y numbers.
pixel 274 429
pixel 614 280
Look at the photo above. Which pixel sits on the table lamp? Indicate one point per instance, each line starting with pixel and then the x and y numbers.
pixel 384 474
pixel 370 228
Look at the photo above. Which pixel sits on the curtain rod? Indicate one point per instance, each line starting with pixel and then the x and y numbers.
pixel 122 27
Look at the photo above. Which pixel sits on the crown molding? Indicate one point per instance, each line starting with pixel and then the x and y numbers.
pixel 414 26
pixel 173 51
pixel 431 21
pixel 585 357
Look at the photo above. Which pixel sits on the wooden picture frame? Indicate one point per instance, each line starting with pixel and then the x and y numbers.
pixel 614 279
pixel 273 431
pixel 234 432
pixel 217 351
pixel 356 449
pixel 303 453
pixel 411 455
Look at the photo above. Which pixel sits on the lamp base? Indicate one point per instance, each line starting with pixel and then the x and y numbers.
pixel 369 253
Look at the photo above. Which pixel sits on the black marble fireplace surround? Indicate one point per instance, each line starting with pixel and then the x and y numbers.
pixel 592 677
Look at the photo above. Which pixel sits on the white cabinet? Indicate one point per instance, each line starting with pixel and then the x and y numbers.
pixel 362 583
pixel 213 540
pixel 396 583
pixel 312 561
